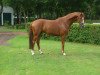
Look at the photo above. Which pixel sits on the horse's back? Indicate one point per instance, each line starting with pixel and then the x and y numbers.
pixel 43 23
pixel 47 26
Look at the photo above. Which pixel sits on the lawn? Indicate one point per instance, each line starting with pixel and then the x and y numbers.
pixel 81 59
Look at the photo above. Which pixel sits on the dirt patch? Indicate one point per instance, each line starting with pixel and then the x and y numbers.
pixel 5 36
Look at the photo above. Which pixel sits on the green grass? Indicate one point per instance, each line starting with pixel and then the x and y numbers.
pixel 81 59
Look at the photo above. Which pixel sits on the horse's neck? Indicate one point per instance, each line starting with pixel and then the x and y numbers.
pixel 69 20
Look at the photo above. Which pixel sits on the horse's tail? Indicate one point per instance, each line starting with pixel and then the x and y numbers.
pixel 30 38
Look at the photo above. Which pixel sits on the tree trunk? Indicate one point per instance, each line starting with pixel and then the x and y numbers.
pixel 1 9
pixel 18 16
pixel 25 19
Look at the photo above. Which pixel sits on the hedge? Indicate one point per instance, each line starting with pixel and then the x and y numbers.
pixel 88 34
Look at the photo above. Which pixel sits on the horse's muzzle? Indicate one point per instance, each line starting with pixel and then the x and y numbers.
pixel 82 25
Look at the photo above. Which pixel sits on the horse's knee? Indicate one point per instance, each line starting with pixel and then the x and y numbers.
pixel 35 38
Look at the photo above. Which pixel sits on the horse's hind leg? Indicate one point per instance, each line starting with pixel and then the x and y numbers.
pixel 34 40
pixel 38 44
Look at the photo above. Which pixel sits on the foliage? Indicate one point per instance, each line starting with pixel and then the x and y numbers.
pixel 6 24
pixel 20 26
pixel 89 34
pixel 54 8
pixel 1 7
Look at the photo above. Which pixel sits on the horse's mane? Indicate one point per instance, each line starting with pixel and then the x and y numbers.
pixel 70 15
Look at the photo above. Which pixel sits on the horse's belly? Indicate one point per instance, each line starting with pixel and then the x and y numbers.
pixel 56 34
pixel 52 32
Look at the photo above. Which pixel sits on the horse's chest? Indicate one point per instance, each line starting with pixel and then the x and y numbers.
pixel 63 30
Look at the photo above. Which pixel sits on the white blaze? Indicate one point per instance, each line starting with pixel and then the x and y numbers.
pixel 83 20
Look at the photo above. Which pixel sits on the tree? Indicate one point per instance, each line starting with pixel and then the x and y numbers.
pixel 52 9
pixel 97 8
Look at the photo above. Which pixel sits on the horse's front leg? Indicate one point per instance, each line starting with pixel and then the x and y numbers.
pixel 63 42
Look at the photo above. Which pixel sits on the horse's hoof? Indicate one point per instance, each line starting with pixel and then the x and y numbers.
pixel 41 52
pixel 32 52
pixel 64 54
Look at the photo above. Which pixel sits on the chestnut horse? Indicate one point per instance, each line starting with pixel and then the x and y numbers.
pixel 58 27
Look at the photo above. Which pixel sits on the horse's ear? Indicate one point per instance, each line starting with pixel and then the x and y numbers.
pixel 80 13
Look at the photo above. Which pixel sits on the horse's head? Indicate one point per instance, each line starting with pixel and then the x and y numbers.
pixel 80 19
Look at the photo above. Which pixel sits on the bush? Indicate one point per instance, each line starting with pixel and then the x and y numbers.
pixel 20 26
pixel 89 34
pixel 6 24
